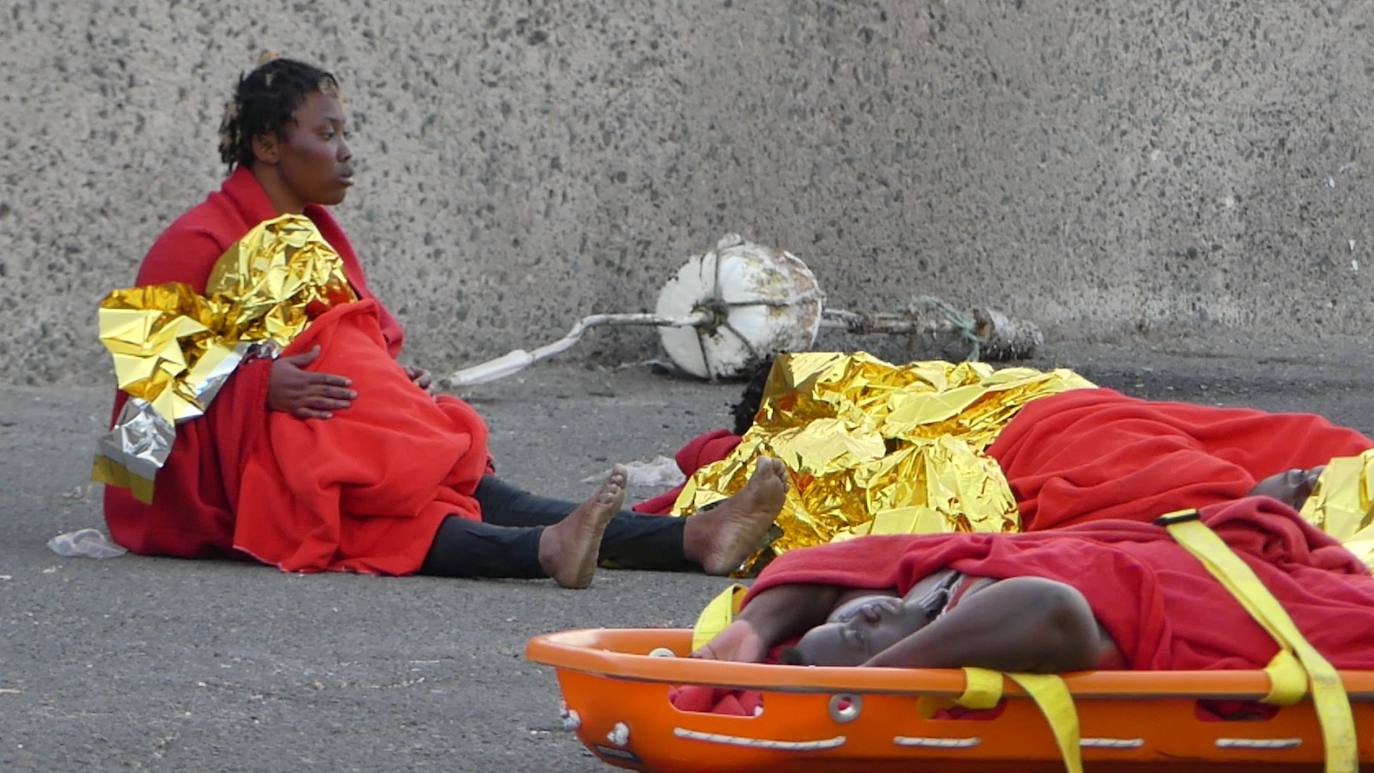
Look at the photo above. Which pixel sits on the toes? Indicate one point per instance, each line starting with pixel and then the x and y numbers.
pixel 770 468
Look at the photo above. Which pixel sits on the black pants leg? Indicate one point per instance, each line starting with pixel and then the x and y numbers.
pixel 464 548
pixel 506 542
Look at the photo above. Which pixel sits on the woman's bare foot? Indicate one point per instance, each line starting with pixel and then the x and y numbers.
pixel 568 549
pixel 722 537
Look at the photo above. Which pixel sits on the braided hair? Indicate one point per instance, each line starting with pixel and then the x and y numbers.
pixel 263 103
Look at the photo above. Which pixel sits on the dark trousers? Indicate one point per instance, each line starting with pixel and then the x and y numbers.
pixel 505 543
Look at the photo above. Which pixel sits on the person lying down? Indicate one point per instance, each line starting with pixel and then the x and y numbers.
pixel 1111 594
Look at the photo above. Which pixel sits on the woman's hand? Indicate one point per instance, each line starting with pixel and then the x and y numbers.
pixel 305 394
pixel 739 642
pixel 420 378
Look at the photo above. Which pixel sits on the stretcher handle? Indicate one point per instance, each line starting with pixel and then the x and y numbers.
pixel 590 651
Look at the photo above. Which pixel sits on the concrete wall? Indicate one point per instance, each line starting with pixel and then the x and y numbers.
pixel 1098 165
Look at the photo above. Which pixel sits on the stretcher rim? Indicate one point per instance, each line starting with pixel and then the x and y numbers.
pixel 615 653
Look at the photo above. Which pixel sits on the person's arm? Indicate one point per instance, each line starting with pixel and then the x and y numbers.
pixel 1023 624
pixel 772 617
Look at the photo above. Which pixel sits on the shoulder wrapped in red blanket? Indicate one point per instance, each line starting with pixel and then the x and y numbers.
pixel 1162 607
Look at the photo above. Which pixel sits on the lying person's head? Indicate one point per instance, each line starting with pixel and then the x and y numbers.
pixel 751 399
pixel 286 123
pixel 860 629
pixel 1291 487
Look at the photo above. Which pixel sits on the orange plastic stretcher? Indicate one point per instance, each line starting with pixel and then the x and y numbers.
pixel 866 719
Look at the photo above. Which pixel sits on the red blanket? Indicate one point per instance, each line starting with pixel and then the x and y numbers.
pixel 365 490
pixel 1090 454
pixel 1160 605
pixel 699 452
pixel 196 492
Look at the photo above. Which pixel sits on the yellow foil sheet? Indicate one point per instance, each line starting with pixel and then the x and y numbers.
pixel 156 335
pixel 174 348
pixel 1362 545
pixel 277 278
pixel 877 448
pixel 112 473
pixel 1342 503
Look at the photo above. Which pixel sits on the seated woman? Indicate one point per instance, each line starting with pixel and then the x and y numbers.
pixel 1108 594
pixel 333 456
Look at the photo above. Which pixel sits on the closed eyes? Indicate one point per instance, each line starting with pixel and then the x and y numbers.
pixel 855 638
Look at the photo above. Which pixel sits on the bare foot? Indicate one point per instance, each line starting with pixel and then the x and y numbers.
pixel 721 538
pixel 568 549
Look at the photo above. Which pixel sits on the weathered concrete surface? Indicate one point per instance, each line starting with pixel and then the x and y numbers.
pixel 1099 166
pixel 138 663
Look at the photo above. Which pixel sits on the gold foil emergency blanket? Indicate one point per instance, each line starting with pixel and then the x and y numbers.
pixel 173 348
pixel 1342 503
pixel 875 448
pixel 277 278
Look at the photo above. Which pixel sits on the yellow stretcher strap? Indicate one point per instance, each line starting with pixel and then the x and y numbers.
pixel 1287 679
pixel 718 614
pixel 983 690
pixel 1328 693
pixel 1055 702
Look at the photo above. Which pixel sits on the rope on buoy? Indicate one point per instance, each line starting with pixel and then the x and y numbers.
pixel 963 325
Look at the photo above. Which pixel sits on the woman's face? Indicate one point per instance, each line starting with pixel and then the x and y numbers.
pixel 313 158
pixel 1291 487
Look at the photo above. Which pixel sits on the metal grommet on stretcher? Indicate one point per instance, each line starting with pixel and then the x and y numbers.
pixel 845 707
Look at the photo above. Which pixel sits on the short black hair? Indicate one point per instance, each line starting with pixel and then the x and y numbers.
pixel 263 103
pixel 747 408
pixel 793 656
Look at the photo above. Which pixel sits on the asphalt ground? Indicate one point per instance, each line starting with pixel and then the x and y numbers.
pixel 141 663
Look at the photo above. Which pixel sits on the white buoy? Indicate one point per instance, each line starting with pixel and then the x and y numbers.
pixel 761 301
pixel 742 302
